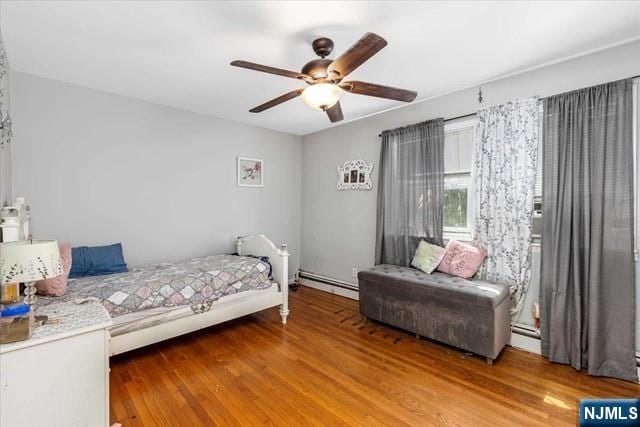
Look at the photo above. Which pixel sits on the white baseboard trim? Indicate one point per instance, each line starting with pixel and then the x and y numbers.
pixel 347 293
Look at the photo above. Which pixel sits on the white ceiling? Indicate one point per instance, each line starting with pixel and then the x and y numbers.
pixel 178 53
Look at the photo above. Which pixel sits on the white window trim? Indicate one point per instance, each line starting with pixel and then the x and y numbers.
pixel 464 234
pixel 450 127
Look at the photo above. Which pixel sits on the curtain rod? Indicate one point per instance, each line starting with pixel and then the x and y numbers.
pixel 464 116
pixel 450 119
pixel 459 117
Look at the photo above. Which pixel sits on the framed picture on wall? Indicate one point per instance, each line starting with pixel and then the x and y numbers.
pixel 355 175
pixel 250 172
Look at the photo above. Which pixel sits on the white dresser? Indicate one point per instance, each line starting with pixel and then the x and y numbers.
pixel 59 377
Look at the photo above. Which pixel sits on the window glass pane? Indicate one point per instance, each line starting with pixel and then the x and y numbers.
pixel 455 207
pixel 465 148
pixel 451 152
pixel 458 154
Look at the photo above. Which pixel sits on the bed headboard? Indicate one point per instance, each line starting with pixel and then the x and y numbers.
pixel 259 245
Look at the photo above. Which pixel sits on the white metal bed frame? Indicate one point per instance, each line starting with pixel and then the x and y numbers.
pixel 221 311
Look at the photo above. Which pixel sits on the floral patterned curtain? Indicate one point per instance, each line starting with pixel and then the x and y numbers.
pixel 505 169
pixel 5 129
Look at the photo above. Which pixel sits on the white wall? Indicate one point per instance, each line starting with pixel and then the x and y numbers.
pixel 339 226
pixel 99 168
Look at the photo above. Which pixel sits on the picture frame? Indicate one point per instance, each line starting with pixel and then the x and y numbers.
pixel 250 172
pixel 355 175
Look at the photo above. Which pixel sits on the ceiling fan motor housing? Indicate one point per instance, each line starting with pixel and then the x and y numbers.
pixel 322 46
pixel 317 68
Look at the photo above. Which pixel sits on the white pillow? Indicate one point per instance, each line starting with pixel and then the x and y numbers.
pixel 427 257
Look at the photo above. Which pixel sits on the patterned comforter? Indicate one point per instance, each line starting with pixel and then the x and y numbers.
pixel 196 283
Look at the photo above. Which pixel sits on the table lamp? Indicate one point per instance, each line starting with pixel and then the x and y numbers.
pixel 28 261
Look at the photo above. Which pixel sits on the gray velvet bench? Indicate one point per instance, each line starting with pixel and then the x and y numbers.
pixel 472 315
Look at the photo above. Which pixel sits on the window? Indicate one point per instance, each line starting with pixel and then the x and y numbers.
pixel 536 225
pixel 456 203
pixel 458 188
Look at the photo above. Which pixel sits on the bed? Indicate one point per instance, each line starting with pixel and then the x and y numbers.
pixel 157 302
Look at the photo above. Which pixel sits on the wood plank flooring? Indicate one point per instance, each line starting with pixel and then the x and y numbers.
pixel 328 366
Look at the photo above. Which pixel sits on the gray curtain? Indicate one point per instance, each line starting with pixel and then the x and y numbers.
pixel 587 292
pixel 410 191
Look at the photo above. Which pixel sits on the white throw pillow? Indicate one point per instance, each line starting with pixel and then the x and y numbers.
pixel 427 257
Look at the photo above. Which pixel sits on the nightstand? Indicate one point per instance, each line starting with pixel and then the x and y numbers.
pixel 60 376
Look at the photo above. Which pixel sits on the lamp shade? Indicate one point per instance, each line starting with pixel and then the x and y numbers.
pixel 321 96
pixel 29 260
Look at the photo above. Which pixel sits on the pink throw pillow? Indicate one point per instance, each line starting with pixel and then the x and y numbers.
pixel 57 286
pixel 461 260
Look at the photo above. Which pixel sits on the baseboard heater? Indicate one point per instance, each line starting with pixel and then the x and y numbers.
pixel 527 331
pixel 327 280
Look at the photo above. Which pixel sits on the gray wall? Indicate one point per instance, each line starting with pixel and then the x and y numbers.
pixel 339 226
pixel 99 168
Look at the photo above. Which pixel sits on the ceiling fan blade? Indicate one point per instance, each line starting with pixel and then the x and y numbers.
pixel 363 49
pixel 271 70
pixel 335 113
pixel 279 100
pixel 372 89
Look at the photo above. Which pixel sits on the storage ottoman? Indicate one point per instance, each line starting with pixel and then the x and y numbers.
pixel 473 315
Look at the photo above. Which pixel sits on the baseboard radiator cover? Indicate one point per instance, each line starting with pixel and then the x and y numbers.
pixel 327 280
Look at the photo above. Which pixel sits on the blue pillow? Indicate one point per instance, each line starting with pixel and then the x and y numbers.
pixel 97 261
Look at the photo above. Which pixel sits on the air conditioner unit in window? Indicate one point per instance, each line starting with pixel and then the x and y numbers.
pixel 536 225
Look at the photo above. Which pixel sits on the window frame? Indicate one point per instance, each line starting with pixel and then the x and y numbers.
pixel 462 233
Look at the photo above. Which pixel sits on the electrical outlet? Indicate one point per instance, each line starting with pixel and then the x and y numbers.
pixel 354 272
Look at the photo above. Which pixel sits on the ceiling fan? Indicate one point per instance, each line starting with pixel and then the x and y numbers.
pixel 325 77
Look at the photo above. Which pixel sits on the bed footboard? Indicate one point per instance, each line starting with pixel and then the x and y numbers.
pixel 260 245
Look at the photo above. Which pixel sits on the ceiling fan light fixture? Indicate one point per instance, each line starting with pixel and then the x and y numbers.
pixel 321 96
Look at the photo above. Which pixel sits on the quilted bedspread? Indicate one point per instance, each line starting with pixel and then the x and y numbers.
pixel 197 283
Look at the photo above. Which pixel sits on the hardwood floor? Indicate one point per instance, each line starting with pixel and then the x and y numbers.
pixel 328 366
